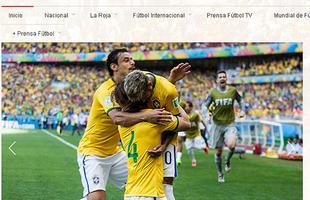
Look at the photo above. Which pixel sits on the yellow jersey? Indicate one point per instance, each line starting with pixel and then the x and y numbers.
pixel 165 95
pixel 101 136
pixel 194 118
pixel 145 174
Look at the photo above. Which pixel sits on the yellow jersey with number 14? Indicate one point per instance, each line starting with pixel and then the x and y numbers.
pixel 145 174
pixel 101 136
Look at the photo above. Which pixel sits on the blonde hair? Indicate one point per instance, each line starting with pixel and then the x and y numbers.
pixel 135 86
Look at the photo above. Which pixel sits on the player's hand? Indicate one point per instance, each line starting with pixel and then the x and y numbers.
pixel 179 72
pixel 242 114
pixel 156 151
pixel 159 116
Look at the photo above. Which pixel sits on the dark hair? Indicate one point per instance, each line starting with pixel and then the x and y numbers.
pixel 190 104
pixel 220 72
pixel 122 99
pixel 113 57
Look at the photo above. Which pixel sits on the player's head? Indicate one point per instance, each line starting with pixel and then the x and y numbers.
pixel 189 107
pixel 122 99
pixel 120 63
pixel 138 86
pixel 221 78
pixel 290 140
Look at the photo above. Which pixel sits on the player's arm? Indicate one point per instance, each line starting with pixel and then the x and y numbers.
pixel 156 116
pixel 183 124
pixel 172 99
pixel 179 72
pixel 167 137
pixel 241 104
pixel 207 102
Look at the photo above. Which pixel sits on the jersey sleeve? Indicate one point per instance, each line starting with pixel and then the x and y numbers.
pixel 172 101
pixel 207 102
pixel 237 95
pixel 107 102
pixel 173 125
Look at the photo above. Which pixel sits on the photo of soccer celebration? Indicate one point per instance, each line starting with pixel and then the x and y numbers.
pixel 152 121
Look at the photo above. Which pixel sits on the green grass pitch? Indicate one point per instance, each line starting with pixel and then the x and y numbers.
pixel 45 168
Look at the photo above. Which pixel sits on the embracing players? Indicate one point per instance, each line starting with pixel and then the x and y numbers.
pixel 99 157
pixel 145 172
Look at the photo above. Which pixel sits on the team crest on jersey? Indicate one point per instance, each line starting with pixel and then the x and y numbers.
pixel 156 103
pixel 96 180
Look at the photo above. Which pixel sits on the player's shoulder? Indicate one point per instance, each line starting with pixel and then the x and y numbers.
pixel 231 88
pixel 162 83
pixel 162 80
pixel 106 87
pixel 213 90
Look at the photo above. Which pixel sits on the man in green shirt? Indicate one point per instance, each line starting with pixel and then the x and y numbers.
pixel 220 103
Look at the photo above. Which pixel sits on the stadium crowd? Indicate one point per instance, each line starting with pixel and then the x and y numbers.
pixel 283 66
pixel 39 89
pixel 105 47
pixel 36 89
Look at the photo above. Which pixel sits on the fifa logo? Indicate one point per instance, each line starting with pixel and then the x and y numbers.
pixel 223 102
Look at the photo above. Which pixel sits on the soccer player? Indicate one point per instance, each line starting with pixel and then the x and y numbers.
pixel 193 136
pixel 99 157
pixel 145 173
pixel 223 130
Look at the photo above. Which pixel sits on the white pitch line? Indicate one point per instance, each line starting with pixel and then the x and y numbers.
pixel 60 139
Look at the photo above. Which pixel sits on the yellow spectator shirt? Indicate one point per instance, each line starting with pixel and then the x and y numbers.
pixel 145 174
pixel 165 95
pixel 101 136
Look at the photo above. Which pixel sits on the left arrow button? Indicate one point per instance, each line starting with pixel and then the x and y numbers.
pixel 12 149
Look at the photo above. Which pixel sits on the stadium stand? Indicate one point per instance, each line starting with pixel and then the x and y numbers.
pixel 105 47
pixel 284 66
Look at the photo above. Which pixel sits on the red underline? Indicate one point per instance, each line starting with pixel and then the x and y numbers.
pixel 17 6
